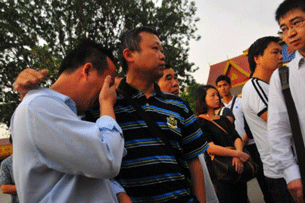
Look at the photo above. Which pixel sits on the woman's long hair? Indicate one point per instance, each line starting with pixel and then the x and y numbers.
pixel 201 106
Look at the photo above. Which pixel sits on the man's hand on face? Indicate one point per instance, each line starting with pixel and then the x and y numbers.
pixel 296 190
pixel 28 79
pixel 107 98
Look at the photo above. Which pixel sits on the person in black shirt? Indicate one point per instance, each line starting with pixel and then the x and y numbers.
pixel 207 100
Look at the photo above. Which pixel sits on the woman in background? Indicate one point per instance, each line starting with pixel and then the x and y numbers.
pixel 207 100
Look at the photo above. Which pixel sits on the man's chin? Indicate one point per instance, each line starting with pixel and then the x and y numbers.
pixel 176 92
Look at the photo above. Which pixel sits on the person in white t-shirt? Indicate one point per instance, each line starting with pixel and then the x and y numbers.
pixel 264 56
pixel 234 103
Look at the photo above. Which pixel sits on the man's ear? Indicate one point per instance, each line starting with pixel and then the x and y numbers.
pixel 128 55
pixel 257 59
pixel 86 69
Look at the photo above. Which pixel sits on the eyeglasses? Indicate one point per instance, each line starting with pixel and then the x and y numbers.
pixel 296 24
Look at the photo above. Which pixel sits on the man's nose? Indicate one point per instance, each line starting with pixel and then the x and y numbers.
pixel 176 82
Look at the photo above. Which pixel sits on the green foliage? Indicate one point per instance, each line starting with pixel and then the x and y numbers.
pixel 61 24
pixel 189 94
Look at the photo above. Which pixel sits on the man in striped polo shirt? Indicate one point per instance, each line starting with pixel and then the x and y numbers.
pixel 149 173
pixel 264 56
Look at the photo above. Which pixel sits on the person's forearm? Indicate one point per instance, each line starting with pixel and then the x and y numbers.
pixel 107 109
pixel 8 189
pixel 197 177
pixel 221 151
pixel 238 145
pixel 123 198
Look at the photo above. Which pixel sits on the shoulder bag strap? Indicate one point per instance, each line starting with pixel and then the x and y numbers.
pixel 153 127
pixel 220 112
pixel 233 102
pixel 294 121
pixel 208 118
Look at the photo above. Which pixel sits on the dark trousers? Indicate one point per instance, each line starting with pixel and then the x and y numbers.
pixel 261 179
pixel 231 193
pixel 279 191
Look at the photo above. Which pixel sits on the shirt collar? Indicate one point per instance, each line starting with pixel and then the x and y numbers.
pixel 128 89
pixel 299 59
pixel 69 102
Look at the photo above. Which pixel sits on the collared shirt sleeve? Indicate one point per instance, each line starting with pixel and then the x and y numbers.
pixel 193 141
pixel 69 145
pixel 116 186
pixel 279 132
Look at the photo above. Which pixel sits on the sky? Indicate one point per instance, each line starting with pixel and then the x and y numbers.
pixel 227 28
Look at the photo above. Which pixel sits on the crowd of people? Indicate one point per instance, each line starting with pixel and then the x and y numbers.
pixel 95 137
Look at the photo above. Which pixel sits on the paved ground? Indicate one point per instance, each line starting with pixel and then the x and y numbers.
pixel 254 193
pixel 5 198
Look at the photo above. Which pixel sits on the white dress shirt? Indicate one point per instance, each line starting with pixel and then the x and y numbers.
pixel 60 158
pixel 279 130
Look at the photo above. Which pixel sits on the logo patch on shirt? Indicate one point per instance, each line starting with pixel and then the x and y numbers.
pixel 172 122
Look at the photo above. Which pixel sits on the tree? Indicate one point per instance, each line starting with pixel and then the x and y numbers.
pixel 189 94
pixel 60 24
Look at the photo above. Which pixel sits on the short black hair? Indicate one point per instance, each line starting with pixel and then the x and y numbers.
pixel 86 51
pixel 168 66
pixel 223 77
pixel 201 106
pixel 289 5
pixel 258 48
pixel 131 40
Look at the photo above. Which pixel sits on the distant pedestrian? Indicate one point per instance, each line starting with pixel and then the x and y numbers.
pixel 7 181
pixel 169 81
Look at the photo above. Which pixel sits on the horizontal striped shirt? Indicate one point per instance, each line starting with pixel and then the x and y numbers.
pixel 149 173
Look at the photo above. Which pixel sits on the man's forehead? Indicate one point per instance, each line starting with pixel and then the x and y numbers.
pixel 222 82
pixel 150 36
pixel 291 16
pixel 274 45
pixel 169 71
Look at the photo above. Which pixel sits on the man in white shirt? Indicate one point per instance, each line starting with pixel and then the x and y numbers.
pixel 57 156
pixel 223 84
pixel 264 56
pixel 291 18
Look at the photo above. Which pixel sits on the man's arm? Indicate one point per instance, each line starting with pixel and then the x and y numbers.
pixel 197 179
pixel 6 181
pixel 8 189
pixel 280 138
pixel 123 197
pixel 78 147
pixel 120 192
pixel 264 116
